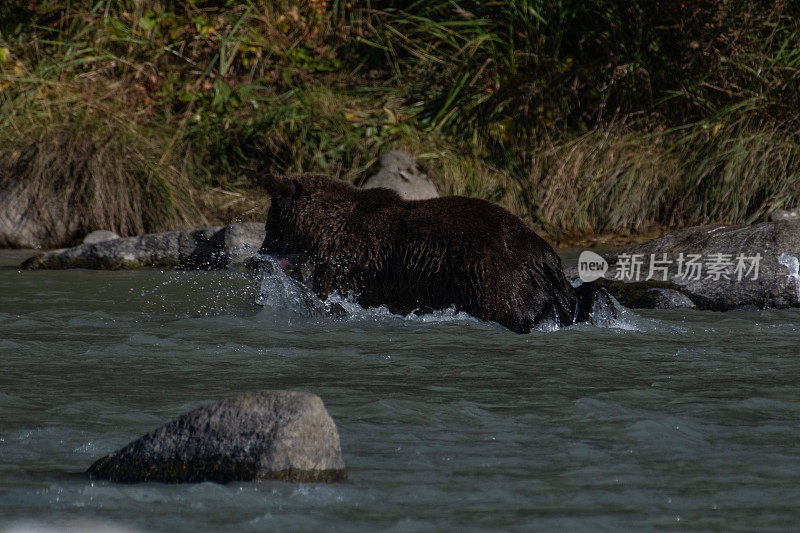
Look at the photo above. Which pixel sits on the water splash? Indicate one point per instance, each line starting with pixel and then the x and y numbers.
pixel 607 312
pixel 185 294
pixel 280 292
pixel 792 264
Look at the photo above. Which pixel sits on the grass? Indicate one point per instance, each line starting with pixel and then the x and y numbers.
pixel 511 70
pixel 628 182
pixel 77 168
pixel 584 118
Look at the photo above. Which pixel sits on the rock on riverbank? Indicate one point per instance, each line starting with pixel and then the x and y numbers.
pixel 285 435
pixel 716 267
pixel 399 172
pixel 211 248
pixel 99 236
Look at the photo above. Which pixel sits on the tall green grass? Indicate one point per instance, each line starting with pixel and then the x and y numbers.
pixel 511 70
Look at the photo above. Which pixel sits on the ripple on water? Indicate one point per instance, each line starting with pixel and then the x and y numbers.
pixel 674 417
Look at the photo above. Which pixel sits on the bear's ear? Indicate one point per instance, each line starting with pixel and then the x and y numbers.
pixel 280 187
pixel 293 188
pixel 271 184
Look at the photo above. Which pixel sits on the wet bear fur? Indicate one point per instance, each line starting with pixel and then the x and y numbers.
pixel 418 254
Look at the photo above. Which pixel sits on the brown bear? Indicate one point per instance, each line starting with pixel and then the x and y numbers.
pixel 419 254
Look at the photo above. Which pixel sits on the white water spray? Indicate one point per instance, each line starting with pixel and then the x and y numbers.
pixel 792 264
pixel 280 292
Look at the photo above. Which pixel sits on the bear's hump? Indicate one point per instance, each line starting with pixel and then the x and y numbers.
pixel 379 195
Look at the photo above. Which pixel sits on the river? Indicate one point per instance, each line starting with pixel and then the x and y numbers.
pixel 668 419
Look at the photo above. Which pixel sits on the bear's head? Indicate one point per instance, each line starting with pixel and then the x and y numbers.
pixel 304 212
pixel 283 192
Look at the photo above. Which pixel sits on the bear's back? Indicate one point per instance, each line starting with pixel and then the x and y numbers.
pixel 473 224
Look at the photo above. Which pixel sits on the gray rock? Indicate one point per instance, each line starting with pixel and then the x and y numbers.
pixel 647 295
pixel 776 285
pixel 668 299
pixel 781 214
pixel 80 525
pixel 225 247
pixel 22 224
pixel 284 435
pixel 211 248
pixel 399 172
pixel 18 229
pixel 100 235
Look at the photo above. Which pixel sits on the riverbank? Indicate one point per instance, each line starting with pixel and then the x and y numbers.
pixel 141 118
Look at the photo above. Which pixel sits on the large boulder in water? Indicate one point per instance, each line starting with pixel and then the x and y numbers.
pixel 211 248
pixel 399 172
pixel 718 267
pixel 284 435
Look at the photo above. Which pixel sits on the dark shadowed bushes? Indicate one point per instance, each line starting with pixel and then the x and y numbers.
pixel 512 69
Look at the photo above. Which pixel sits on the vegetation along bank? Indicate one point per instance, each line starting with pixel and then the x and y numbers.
pixel 584 118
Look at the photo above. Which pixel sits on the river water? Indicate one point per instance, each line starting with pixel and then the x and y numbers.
pixel 669 419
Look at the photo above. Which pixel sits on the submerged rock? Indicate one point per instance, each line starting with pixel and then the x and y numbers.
pixel 399 172
pixel 285 435
pixel 100 235
pixel 211 248
pixel 716 267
